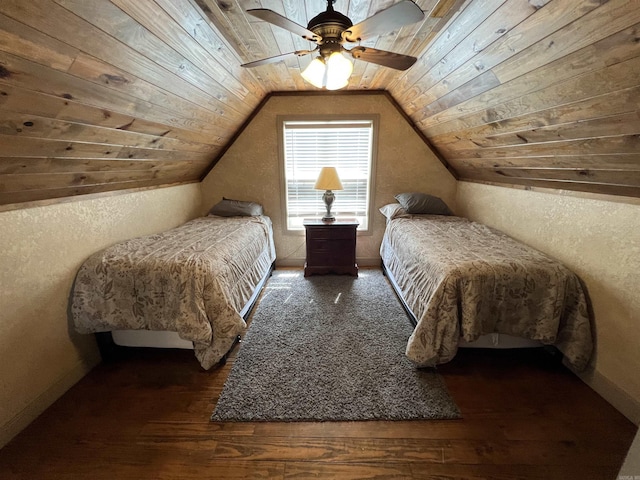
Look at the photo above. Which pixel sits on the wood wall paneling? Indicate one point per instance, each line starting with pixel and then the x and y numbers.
pixel 522 92
pixel 556 95
pixel 107 95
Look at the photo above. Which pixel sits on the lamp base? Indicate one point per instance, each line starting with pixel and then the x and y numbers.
pixel 328 198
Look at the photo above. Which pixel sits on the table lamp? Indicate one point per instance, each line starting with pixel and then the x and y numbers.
pixel 328 180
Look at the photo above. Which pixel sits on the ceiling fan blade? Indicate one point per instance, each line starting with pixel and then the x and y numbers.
pixel 382 57
pixel 398 15
pixel 283 22
pixel 277 58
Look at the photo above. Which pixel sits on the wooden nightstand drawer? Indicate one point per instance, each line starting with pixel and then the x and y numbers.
pixel 333 233
pixel 317 244
pixel 336 255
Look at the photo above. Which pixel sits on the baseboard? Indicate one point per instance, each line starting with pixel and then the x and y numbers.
pixel 35 408
pixel 612 393
pixel 289 262
pixel 369 261
pixel 299 262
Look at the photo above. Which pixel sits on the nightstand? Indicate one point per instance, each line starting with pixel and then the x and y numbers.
pixel 331 247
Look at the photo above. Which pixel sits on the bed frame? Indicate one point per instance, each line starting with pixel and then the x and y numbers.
pixel 115 344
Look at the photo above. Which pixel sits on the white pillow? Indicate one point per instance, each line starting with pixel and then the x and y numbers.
pixel 394 210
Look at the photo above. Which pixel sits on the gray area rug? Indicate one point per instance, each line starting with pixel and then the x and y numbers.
pixel 330 348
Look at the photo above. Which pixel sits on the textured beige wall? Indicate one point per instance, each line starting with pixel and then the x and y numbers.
pixel 250 168
pixel 599 239
pixel 42 249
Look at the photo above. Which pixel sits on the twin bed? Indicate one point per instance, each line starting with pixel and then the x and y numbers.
pixel 461 283
pixel 466 284
pixel 188 287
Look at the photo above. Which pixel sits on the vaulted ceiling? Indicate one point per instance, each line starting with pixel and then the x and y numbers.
pixel 102 95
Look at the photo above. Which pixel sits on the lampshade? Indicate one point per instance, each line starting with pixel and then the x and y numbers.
pixel 328 180
pixel 333 74
pixel 338 71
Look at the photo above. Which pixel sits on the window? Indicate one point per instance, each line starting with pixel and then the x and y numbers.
pixel 309 145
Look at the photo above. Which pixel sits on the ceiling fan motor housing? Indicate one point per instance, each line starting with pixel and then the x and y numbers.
pixel 329 25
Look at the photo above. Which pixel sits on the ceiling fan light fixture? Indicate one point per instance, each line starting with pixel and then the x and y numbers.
pixel 315 72
pixel 339 69
pixel 332 74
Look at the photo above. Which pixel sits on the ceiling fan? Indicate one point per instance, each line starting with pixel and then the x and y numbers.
pixel 330 30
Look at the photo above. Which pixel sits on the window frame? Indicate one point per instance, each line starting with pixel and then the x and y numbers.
pixel 281 120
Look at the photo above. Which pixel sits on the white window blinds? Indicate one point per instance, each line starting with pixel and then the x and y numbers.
pixel 309 146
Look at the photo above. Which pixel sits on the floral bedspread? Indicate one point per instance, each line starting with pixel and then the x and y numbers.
pixel 464 279
pixel 193 279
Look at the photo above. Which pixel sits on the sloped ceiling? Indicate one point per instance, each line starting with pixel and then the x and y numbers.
pixel 106 95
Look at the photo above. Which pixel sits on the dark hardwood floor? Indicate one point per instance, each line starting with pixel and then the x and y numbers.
pixel 146 416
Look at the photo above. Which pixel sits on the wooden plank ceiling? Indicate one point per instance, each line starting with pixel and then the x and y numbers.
pixel 106 95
